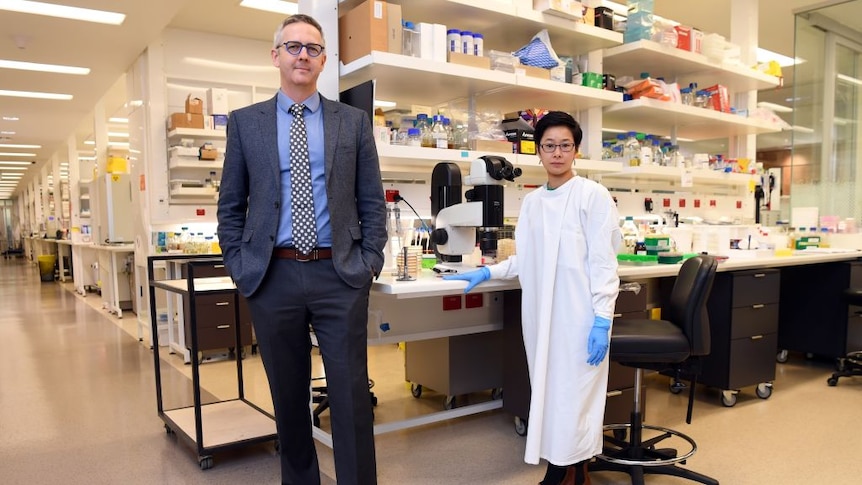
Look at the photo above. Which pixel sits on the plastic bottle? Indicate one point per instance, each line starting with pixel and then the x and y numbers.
pixel 450 133
pixel 453 40
pixel 184 239
pixel 424 125
pixel 407 37
pixel 467 42
pixel 632 149
pixel 414 137
pixel 478 44
pixel 657 154
pixel 438 133
pixel 824 237
pixel 630 236
pixel 646 151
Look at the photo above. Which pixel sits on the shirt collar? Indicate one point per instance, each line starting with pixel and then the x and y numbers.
pixel 312 103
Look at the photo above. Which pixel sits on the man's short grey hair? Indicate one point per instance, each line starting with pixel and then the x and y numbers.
pixel 293 19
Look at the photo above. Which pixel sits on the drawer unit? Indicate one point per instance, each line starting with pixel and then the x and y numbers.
pixel 743 318
pixel 215 319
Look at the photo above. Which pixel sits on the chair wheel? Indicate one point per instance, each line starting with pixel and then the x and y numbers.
pixel 416 390
pixel 832 381
pixel 676 386
pixel 520 426
pixel 451 402
pixel 781 357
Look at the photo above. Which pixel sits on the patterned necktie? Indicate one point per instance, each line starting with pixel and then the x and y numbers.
pixel 302 202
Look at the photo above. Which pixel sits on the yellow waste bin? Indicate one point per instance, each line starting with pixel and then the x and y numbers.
pixel 46 267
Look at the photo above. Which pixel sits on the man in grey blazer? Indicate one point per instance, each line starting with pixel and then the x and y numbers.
pixel 327 287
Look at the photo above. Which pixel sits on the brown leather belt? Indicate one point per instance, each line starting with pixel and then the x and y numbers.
pixel 316 254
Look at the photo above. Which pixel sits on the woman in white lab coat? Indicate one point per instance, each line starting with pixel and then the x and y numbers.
pixel 566 240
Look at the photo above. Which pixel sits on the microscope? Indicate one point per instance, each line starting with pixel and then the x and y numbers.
pixel 457 223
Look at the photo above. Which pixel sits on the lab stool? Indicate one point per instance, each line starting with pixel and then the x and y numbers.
pixel 851 364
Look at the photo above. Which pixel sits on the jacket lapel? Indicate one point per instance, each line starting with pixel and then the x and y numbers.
pixel 331 132
pixel 268 129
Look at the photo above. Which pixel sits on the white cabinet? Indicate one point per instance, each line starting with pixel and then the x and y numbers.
pixel 84 199
pixel 194 181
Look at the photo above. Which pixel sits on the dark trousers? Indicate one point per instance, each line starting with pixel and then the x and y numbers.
pixel 293 296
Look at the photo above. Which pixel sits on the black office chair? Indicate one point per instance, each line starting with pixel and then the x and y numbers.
pixel 851 364
pixel 675 344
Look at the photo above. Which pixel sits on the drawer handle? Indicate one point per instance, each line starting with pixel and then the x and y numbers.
pixel 759 275
pixel 223 303
pixel 222 327
pixel 758 306
pixel 618 315
pixel 614 393
pixel 218 266
pixel 756 337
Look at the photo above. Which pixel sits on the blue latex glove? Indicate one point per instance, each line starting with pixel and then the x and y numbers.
pixel 598 342
pixel 472 278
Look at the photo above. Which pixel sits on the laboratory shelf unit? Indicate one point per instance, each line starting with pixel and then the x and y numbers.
pixel 684 67
pixel 406 79
pixel 230 422
pixel 508 25
pixel 187 175
pixel 676 177
pixel 663 117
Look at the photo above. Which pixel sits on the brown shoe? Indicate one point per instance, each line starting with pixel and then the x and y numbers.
pixel 577 475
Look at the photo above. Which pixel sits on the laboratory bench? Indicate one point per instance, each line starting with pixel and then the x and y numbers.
pixel 746 330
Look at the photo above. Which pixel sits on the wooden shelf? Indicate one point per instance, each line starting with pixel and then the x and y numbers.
pixel 407 80
pixel 661 117
pixel 676 65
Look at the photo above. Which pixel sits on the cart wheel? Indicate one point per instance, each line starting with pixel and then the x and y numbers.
pixel 168 430
pixel 416 390
pixel 764 390
pixel 520 426
pixel 781 357
pixel 496 393
pixel 832 381
pixel 451 402
pixel 728 398
pixel 206 462
pixel 676 386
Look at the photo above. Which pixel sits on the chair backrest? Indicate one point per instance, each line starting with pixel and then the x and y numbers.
pixel 687 308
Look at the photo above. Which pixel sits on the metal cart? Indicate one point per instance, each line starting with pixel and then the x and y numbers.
pixel 231 423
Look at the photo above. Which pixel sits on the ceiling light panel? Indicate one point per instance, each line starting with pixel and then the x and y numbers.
pixel 35 95
pixel 277 6
pixel 8 145
pixel 17 154
pixel 63 11
pixel 54 68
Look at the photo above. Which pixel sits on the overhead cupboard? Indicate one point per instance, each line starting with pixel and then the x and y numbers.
pixel 507 25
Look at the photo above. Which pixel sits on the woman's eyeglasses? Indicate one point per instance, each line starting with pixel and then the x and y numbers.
pixel 294 48
pixel 551 147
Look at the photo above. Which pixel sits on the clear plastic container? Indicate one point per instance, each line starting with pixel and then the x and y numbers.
pixel 630 236
pixel 414 137
pixel 438 133
pixel 408 37
pixel 687 96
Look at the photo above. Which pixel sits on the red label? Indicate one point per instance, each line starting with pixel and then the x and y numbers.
pixel 665 202
pixel 201 212
pixel 452 302
pixel 696 203
pixel 473 300
pixel 739 204
pixel 682 202
pixel 712 203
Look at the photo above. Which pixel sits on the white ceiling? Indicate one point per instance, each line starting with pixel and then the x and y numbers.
pixel 109 50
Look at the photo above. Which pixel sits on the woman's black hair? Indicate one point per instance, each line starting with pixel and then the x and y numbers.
pixel 559 118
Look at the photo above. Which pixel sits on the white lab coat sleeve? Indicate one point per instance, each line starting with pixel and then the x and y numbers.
pixel 505 270
pixel 603 240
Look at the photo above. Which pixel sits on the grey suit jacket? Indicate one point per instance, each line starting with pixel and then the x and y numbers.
pixel 250 194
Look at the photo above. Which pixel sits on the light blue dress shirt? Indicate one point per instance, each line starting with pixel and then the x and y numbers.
pixel 314 127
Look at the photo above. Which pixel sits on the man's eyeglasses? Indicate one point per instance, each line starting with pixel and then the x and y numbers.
pixel 551 147
pixel 294 48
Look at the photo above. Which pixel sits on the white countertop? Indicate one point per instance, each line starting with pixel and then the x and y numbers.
pixel 430 284
pixel 202 285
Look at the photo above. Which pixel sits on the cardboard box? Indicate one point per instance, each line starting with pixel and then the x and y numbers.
pixel 207 154
pixel 468 60
pixel 589 15
pixel 533 71
pixel 523 141
pixel 185 120
pixel 362 30
pixel 394 30
pixel 217 101
pixel 194 105
pixel 719 98
pixel 494 146
pixel 683 36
